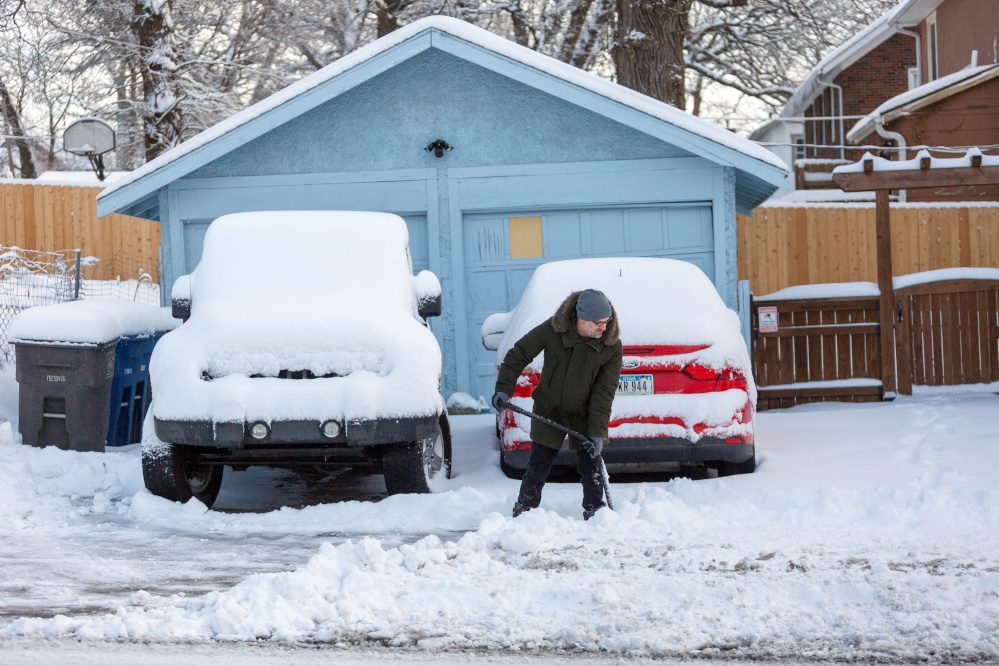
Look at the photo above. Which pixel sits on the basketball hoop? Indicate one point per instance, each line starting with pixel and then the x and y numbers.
pixel 91 138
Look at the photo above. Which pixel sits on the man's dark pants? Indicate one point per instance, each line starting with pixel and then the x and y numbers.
pixel 539 466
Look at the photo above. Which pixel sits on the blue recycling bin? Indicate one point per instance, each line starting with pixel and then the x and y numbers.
pixel 130 392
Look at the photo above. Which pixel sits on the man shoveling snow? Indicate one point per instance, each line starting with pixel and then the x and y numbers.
pixel 582 364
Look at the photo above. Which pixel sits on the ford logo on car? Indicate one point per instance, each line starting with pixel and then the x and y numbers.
pixel 629 363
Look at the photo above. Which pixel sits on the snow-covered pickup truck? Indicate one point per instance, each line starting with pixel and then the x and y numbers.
pixel 305 342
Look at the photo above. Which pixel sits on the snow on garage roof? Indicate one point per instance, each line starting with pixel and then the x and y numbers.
pixel 720 145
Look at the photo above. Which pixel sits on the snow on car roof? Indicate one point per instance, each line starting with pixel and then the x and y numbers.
pixel 658 301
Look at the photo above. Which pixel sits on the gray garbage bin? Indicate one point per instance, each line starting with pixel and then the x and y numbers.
pixel 65 392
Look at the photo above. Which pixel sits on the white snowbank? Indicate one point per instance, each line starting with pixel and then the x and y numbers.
pixel 864 535
pixel 340 301
pixel 90 322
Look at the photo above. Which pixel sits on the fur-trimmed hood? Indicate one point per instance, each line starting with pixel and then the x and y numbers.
pixel 564 320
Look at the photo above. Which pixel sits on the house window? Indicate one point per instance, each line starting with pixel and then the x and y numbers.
pixel 799 147
pixel 913 77
pixel 931 46
pixel 525 237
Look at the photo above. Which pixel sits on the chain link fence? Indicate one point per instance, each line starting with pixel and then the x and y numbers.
pixel 29 278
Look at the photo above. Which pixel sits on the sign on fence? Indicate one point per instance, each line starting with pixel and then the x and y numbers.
pixel 768 318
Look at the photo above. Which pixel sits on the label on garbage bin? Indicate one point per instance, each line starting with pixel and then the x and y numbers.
pixel 55 378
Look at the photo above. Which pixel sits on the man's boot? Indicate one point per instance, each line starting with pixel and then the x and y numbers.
pixel 590 511
pixel 519 508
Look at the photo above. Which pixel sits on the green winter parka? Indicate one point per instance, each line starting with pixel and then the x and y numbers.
pixel 579 377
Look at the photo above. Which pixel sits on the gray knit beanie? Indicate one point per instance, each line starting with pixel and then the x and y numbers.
pixel 592 305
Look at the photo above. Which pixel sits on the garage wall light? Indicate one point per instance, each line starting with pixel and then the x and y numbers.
pixel 439 147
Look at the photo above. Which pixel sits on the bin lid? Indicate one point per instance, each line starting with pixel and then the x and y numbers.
pixel 90 322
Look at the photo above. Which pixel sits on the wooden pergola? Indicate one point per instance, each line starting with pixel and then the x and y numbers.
pixel 931 172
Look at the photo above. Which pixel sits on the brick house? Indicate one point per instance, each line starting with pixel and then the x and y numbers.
pixel 914 44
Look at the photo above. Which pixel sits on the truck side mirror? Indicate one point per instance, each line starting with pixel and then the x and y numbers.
pixel 430 307
pixel 180 298
pixel 428 294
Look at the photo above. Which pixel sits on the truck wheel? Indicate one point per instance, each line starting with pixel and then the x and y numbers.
pixel 732 469
pixel 174 473
pixel 419 467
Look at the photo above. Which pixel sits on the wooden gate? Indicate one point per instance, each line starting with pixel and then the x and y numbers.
pixel 948 333
pixel 944 333
pixel 823 349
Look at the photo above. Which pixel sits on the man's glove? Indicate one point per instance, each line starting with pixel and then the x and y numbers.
pixel 499 400
pixel 594 445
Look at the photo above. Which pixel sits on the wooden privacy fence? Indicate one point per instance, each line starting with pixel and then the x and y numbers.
pixel 50 218
pixel 783 247
pixel 945 333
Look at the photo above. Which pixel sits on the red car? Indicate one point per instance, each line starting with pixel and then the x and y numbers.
pixel 686 393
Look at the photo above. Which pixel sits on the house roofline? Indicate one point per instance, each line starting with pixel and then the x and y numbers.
pixel 349 71
pixel 905 15
pixel 913 100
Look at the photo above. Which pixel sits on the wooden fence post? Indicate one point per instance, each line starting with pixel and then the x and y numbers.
pixel 886 303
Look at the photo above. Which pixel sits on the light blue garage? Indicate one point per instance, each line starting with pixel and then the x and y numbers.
pixel 546 163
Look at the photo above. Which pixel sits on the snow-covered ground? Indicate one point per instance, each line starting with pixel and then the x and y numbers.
pixel 868 532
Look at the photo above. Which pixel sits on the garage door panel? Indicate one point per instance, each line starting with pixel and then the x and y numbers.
pixel 487 289
pixel 607 232
pixel 689 227
pixel 645 230
pixel 562 236
pixel 485 239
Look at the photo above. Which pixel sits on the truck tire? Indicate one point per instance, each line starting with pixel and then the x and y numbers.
pixel 421 466
pixel 732 468
pixel 173 472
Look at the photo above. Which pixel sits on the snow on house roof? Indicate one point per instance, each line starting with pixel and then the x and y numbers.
pixel 923 95
pixel 488 41
pixel 906 13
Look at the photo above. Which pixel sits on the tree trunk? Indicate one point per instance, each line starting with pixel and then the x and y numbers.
pixel 162 120
pixel 13 118
pixel 648 52
pixel 388 15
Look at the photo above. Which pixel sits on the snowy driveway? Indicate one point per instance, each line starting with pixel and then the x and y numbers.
pixel 869 531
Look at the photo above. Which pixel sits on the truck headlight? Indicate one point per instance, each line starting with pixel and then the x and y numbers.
pixel 259 431
pixel 331 429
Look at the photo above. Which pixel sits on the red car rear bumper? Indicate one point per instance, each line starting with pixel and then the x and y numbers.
pixel 649 450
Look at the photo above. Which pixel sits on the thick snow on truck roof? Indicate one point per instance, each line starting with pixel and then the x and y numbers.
pixel 355 261
pixel 331 293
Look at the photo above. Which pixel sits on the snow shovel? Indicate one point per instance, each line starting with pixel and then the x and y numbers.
pixel 604 480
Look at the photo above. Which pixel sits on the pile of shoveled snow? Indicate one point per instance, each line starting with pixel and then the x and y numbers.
pixel 864 534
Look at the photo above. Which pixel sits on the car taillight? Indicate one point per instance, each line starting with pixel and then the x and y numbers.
pixel 730 374
pixel 700 373
pixel 526 383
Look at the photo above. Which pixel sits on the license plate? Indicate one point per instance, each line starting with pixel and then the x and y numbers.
pixel 635 385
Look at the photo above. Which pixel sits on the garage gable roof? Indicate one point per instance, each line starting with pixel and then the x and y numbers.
pixel 755 165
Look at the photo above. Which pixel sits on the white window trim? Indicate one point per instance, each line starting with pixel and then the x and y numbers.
pixel 932 47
